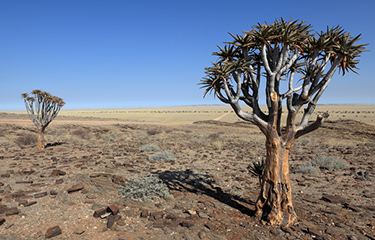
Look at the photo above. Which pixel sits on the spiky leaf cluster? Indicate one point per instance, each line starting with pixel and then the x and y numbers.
pixel 42 107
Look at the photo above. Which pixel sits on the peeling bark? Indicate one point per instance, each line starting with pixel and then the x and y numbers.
pixel 274 204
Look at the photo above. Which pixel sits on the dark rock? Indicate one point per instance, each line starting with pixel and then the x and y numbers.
pixel 59 181
pixel 39 195
pixel 111 221
pixel 160 223
pixel 27 204
pixel 186 223
pixel 209 225
pixel 113 209
pixel 24 182
pixel 144 213
pixel 12 211
pixel 53 192
pixel 100 212
pixel 76 188
pixel 58 173
pixel 2 220
pixel 353 208
pixel 334 199
pixel 53 232
pixel 5 175
pixel 118 180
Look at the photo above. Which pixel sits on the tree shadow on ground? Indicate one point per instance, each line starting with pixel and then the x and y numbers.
pixel 204 184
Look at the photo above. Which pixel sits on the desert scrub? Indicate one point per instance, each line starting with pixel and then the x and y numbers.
pixel 144 189
pixel 25 140
pixel 306 168
pixel 329 162
pixel 149 147
pixel 162 156
pixel 82 133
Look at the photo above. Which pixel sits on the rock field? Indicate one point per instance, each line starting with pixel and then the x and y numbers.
pixel 71 189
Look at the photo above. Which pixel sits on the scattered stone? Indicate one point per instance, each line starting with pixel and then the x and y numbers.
pixel 53 232
pixel 113 209
pixel 39 195
pixel 58 173
pixel 353 208
pixel 209 225
pixel 186 223
pixel 27 204
pixel 118 180
pixel 100 212
pixel 24 182
pixel 53 192
pixel 160 223
pixel 78 231
pixel 334 199
pixel 12 211
pixel 59 181
pixel 110 221
pixel 76 188
pixel 144 213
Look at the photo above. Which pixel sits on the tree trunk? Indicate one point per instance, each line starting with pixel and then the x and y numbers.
pixel 274 204
pixel 41 142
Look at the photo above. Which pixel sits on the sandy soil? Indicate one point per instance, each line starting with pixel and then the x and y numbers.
pixel 61 190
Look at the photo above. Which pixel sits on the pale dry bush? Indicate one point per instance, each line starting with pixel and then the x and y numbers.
pixel 146 188
pixel 162 156
pixel 329 162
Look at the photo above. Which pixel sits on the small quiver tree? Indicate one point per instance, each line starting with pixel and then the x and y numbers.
pixel 271 56
pixel 42 108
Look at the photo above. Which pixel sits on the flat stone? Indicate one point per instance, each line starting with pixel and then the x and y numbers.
pixel 160 223
pixel 118 180
pixel 100 212
pixel 59 181
pixel 144 213
pixel 209 225
pixel 334 199
pixel 39 195
pixel 113 209
pixel 27 204
pixel 24 182
pixel 53 232
pixel 76 188
pixel 58 173
pixel 78 231
pixel 186 223
pixel 111 221
pixel 12 211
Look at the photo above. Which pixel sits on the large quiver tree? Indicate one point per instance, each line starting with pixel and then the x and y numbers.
pixel 42 108
pixel 269 56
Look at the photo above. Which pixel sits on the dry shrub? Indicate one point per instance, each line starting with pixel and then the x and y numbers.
pixel 147 188
pixel 329 162
pixel 82 133
pixel 162 156
pixel 27 139
pixel 153 131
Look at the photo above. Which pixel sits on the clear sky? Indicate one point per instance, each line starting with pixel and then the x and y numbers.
pixel 145 53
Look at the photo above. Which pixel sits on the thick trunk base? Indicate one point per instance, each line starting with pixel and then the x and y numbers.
pixel 274 204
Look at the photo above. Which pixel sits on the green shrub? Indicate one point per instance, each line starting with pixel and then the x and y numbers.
pixel 147 188
pixel 162 156
pixel 329 162
pixel 149 147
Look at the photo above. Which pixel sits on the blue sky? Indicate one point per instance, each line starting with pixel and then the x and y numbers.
pixel 118 53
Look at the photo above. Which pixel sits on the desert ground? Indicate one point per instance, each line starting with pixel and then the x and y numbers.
pixel 188 166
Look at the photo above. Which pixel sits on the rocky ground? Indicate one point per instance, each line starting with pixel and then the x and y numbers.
pixel 71 189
